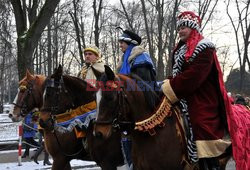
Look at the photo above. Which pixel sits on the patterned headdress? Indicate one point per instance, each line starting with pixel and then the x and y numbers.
pixel 189 19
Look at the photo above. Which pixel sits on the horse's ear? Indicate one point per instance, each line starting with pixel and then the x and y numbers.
pixel 29 75
pixel 110 74
pixel 96 73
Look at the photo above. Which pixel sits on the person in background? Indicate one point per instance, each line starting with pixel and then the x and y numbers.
pixel 239 99
pixel 197 87
pixel 29 132
pixel 35 118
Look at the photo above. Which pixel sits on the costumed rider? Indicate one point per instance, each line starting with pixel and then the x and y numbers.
pixel 93 60
pixel 197 87
pixel 134 60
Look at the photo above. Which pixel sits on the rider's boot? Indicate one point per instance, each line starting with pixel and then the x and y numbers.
pixel 209 164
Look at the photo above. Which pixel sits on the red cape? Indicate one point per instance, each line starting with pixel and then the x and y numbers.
pixel 238 119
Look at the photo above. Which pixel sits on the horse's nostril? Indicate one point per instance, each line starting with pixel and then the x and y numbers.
pixel 10 115
pixel 99 135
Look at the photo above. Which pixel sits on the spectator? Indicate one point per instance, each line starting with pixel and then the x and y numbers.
pixel 29 133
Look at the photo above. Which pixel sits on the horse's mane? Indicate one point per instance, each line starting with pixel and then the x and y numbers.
pixel 78 86
pixel 41 78
pixel 150 95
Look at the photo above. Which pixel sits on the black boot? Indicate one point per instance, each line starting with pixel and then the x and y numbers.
pixel 209 164
pixel 46 158
pixel 26 152
pixel 37 153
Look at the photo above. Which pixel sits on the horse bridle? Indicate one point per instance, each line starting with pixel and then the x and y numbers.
pixel 119 110
pixel 24 104
pixel 59 88
pixel 53 109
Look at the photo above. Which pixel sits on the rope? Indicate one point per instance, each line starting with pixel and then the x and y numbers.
pixel 30 127
pixel 31 144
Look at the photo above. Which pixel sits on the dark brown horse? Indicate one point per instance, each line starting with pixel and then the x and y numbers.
pixel 122 103
pixel 63 93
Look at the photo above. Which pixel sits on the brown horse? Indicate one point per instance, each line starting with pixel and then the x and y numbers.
pixel 62 93
pixel 122 103
pixel 29 96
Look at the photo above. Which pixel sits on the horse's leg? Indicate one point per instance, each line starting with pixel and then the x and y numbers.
pixel 67 167
pixel 61 163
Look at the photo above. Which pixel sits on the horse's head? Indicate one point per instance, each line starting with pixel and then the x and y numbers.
pixel 29 95
pixel 111 105
pixel 62 93
pixel 56 98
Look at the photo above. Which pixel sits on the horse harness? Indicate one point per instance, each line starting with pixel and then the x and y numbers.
pixel 59 87
pixel 119 110
pixel 24 105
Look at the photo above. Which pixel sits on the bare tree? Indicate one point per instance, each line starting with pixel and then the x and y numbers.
pixel 27 38
pixel 77 30
pixel 97 13
pixel 241 28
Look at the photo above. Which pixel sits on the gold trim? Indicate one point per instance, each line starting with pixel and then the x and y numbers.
pixel 212 148
pixel 156 119
pixel 75 112
pixel 169 92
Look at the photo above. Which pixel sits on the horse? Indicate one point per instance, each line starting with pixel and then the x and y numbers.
pixel 29 96
pixel 156 139
pixel 62 93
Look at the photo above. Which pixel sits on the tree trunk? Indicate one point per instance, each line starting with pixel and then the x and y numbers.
pixel 28 38
pixel 97 13
pixel 49 50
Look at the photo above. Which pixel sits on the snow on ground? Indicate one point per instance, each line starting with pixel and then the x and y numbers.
pixel 76 164
pixel 8 129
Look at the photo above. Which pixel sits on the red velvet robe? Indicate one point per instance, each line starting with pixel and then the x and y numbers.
pixel 201 84
pixel 198 84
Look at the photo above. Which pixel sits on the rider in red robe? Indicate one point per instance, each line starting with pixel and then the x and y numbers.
pixel 197 86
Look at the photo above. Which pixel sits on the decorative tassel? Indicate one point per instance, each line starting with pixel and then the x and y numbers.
pixel 156 119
